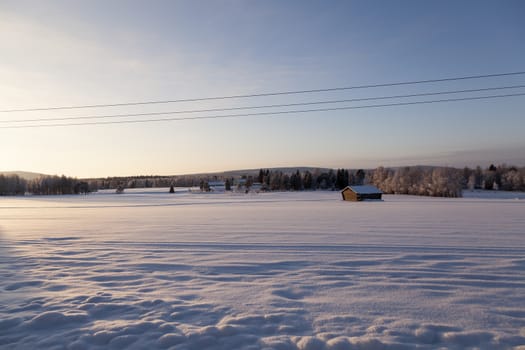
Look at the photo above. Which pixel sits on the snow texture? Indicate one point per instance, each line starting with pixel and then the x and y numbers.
pixel 284 271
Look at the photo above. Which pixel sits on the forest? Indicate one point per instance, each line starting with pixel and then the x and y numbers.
pixel 14 185
pixel 413 180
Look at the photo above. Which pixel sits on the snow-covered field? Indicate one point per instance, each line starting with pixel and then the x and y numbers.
pixel 150 270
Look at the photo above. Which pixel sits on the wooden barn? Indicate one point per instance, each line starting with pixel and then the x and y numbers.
pixel 360 193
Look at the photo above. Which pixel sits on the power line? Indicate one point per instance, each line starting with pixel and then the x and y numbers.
pixel 264 94
pixel 127 115
pixel 262 113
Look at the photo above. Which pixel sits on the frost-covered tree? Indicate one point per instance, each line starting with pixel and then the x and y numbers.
pixel 439 182
pixel 471 182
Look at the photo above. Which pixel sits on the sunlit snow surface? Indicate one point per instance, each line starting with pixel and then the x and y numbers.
pixel 153 270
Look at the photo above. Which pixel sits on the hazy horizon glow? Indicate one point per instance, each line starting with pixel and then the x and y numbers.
pixel 63 53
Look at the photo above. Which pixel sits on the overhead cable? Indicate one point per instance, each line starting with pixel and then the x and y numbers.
pixel 261 113
pixel 128 115
pixel 264 94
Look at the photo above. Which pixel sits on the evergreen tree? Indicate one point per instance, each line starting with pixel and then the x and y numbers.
pixel 307 180
pixel 359 177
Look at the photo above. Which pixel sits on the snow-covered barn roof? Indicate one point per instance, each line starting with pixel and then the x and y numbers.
pixel 364 189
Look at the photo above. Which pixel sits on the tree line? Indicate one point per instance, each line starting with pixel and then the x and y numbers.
pixel 501 177
pixel 418 180
pixel 427 181
pixel 14 185
pixel 414 180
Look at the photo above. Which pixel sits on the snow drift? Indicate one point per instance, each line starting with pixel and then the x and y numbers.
pixel 269 271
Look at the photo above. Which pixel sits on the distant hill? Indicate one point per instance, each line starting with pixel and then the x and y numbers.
pixel 228 173
pixel 220 174
pixel 302 169
pixel 23 174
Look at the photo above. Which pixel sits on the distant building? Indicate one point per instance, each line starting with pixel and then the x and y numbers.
pixel 360 193
pixel 256 187
pixel 217 186
pixel 239 185
pixel 239 182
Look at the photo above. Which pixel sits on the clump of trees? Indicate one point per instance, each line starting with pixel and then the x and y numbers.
pixel 297 181
pixel 57 185
pixel 204 186
pixel 142 181
pixel 12 185
pixel 447 182
pixel 501 177
pixel 418 180
pixel 316 180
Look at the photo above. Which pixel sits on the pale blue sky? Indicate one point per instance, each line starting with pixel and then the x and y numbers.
pixel 57 53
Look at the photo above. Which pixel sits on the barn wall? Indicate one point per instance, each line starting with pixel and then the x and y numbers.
pixel 371 196
pixel 349 195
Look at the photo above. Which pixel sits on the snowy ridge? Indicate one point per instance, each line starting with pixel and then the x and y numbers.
pixel 269 271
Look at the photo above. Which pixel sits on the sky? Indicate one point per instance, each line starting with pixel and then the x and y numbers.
pixel 77 53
